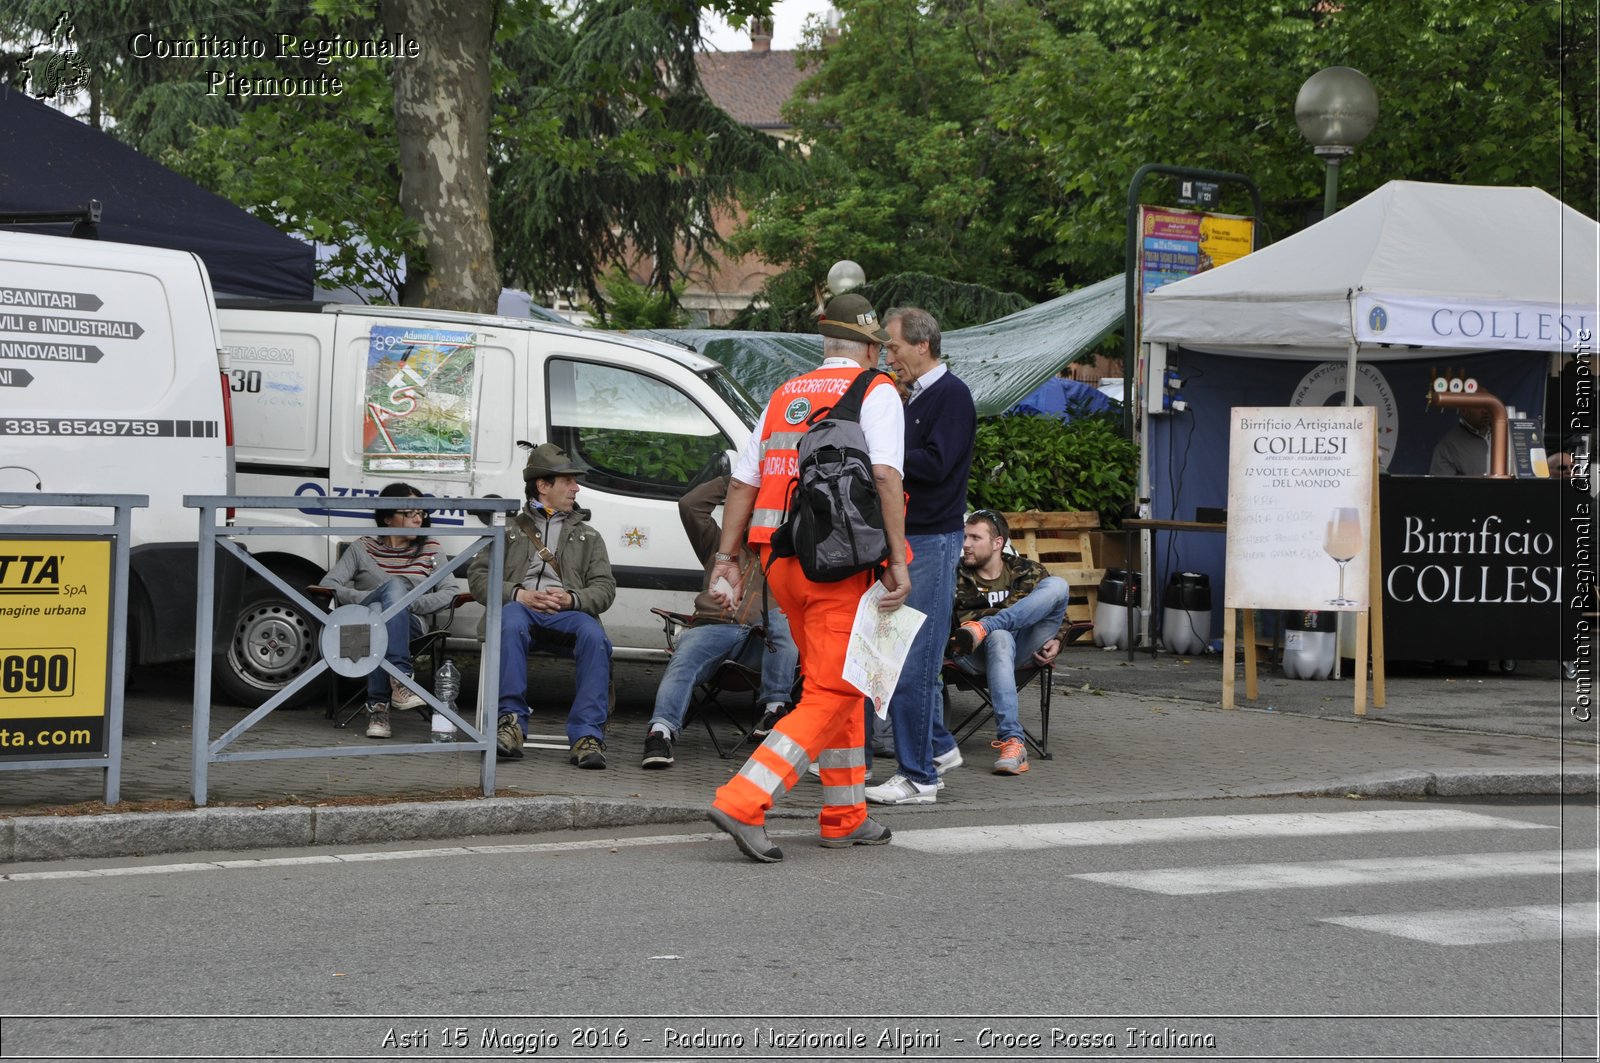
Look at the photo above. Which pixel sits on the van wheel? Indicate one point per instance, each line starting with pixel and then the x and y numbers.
pixel 273 641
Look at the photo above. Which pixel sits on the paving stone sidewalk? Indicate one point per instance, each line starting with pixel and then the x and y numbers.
pixel 1152 729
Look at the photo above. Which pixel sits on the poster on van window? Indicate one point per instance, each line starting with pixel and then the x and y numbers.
pixel 418 398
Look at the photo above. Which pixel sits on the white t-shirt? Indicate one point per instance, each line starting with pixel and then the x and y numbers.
pixel 882 422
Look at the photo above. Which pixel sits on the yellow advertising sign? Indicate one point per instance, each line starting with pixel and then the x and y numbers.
pixel 55 628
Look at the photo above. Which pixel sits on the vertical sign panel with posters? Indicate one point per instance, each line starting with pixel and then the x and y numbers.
pixel 1299 508
pixel 1175 244
pixel 55 638
pixel 419 399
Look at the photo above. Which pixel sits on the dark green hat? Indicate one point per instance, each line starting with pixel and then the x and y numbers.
pixel 851 317
pixel 547 461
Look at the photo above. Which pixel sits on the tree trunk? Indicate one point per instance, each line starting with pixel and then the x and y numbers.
pixel 441 112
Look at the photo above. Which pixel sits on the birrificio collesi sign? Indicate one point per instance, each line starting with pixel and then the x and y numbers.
pixel 1299 507
pixel 55 639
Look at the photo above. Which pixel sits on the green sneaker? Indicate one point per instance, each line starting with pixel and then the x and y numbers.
pixel 588 752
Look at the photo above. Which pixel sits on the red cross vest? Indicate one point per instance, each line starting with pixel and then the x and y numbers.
pixel 784 423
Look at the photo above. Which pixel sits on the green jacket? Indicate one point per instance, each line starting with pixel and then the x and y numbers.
pixel 581 556
pixel 976 598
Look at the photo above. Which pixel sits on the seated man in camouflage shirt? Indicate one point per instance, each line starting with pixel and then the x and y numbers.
pixel 1008 609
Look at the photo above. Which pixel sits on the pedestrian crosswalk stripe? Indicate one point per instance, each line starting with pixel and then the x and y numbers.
pixel 1320 874
pixel 1484 926
pixel 1200 829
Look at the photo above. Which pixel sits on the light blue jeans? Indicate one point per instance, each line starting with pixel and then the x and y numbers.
pixel 916 711
pixel 403 626
pixel 703 647
pixel 1015 634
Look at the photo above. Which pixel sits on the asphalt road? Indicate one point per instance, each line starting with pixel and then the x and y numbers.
pixel 1269 928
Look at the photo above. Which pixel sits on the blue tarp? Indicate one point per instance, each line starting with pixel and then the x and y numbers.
pixel 52 162
pixel 1063 398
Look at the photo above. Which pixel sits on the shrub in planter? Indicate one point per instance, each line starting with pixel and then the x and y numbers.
pixel 1026 461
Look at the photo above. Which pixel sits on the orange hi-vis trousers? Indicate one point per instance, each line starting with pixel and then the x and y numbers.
pixel 827 725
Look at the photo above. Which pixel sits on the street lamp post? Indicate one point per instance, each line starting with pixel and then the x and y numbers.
pixel 1336 109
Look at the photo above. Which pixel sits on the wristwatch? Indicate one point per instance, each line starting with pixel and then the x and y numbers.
pixel 720 556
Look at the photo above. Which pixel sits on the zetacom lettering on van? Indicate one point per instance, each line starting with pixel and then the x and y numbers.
pixel 111 383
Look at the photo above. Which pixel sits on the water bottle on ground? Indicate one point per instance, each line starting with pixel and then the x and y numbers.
pixel 446 687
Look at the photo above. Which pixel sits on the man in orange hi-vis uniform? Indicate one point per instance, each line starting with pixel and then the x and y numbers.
pixel 827 726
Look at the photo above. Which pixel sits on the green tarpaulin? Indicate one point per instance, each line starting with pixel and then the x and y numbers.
pixel 1001 361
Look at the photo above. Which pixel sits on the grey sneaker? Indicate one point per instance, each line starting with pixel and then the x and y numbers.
pixel 751 840
pixel 1013 759
pixel 508 738
pixel 871 832
pixel 378 719
pixel 588 752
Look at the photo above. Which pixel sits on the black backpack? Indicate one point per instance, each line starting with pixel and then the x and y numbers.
pixel 833 522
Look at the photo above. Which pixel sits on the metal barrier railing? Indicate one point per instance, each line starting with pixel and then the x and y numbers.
pixel 52 673
pixel 478 736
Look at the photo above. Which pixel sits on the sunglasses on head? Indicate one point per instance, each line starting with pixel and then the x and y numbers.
pixel 1001 528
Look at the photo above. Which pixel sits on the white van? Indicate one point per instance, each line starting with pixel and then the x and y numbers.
pixel 341 400
pixel 109 384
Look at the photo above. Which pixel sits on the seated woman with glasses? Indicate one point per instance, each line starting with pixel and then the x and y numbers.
pixel 379 570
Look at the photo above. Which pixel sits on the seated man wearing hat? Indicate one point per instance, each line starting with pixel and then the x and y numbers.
pixel 557 583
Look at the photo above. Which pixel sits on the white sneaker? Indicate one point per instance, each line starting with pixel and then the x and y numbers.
pixel 947 761
pixel 900 790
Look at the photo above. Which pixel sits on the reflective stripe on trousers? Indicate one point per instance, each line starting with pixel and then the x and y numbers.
pixel 827 724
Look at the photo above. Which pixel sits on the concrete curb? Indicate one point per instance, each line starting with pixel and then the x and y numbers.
pixel 44 838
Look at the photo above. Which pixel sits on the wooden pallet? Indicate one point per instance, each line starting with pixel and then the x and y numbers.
pixel 1061 542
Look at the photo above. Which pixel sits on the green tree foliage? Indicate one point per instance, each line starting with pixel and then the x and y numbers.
pixel 994 141
pixel 1026 461
pixel 602 142
pixel 631 305
pixel 908 170
pixel 1470 92
pixel 608 148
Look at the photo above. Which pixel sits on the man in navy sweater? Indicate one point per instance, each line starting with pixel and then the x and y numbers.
pixel 941 423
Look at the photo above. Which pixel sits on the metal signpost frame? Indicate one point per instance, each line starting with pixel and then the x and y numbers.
pixel 1130 320
pixel 1133 414
pixel 118 529
pixel 477 738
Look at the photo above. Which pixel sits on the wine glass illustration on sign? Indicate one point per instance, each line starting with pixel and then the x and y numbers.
pixel 1342 542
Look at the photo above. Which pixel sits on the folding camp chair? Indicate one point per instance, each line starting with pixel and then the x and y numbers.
pixel 429 646
pixel 954 676
pixel 732 678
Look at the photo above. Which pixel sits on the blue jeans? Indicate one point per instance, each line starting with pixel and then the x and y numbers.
pixel 585 642
pixel 1015 634
pixel 403 626
pixel 916 711
pixel 703 647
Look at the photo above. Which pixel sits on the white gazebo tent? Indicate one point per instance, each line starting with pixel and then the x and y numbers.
pixel 1441 268
pixel 1444 267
